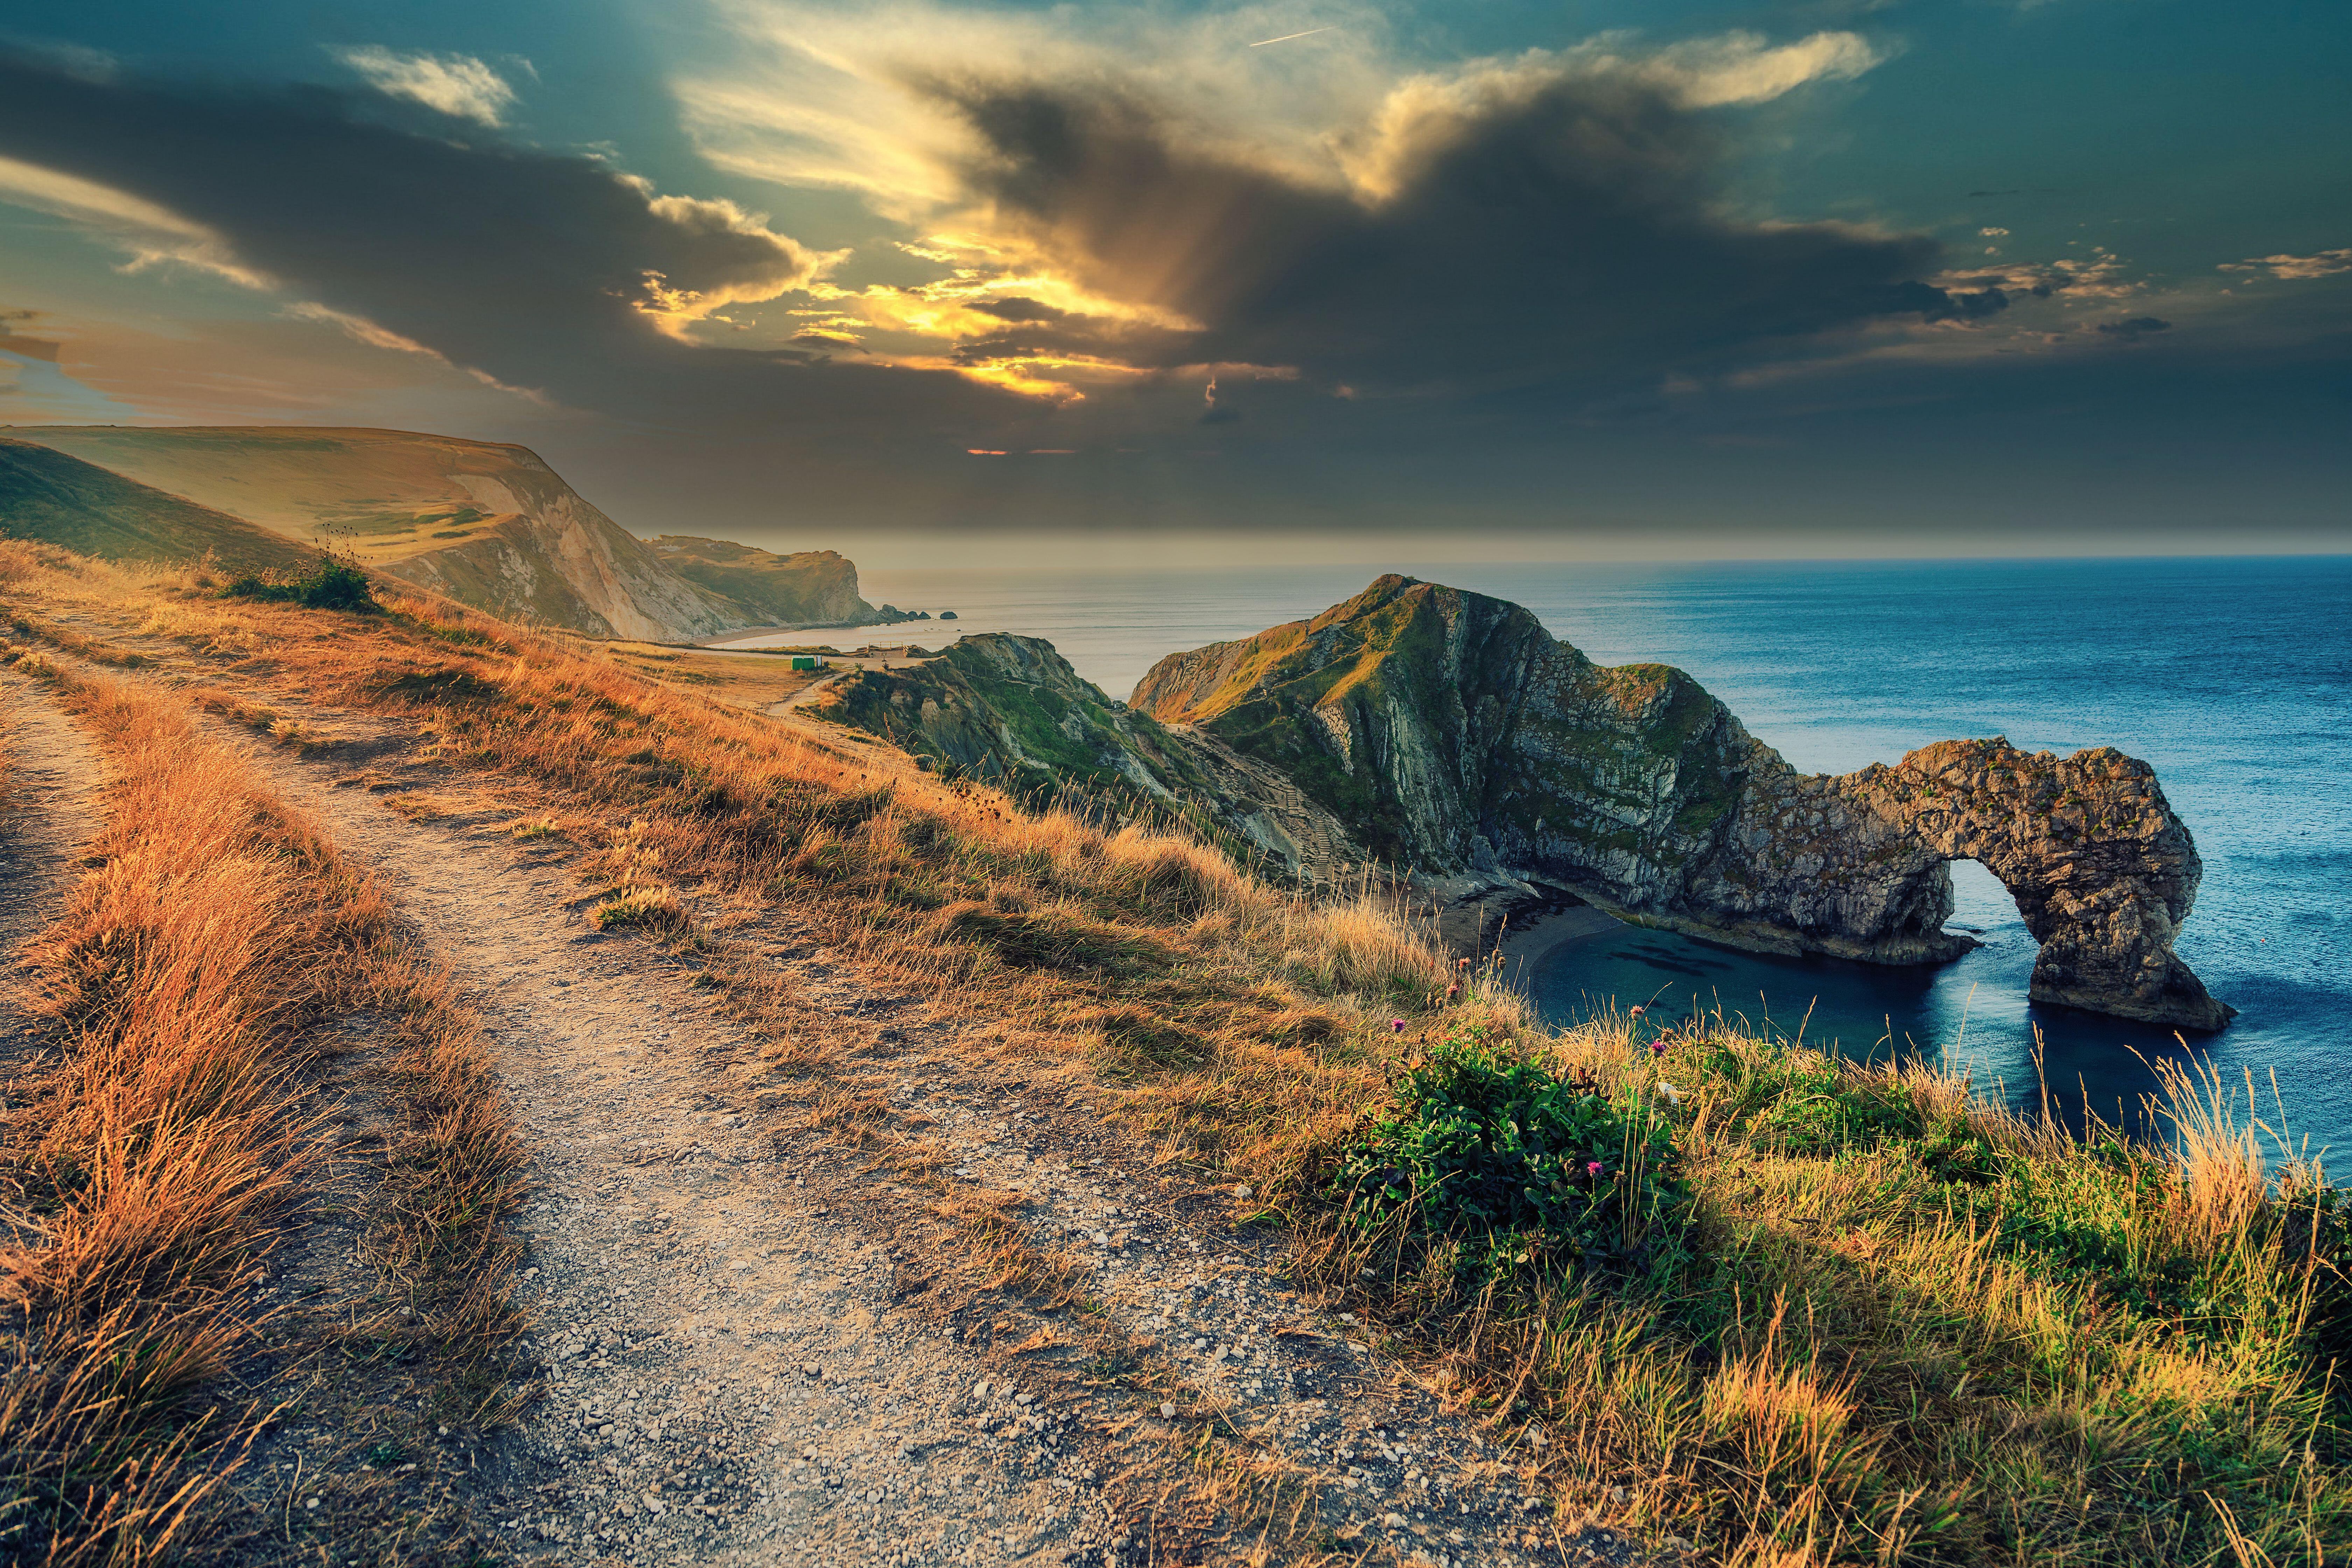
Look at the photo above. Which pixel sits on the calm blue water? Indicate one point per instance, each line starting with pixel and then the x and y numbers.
pixel 2230 675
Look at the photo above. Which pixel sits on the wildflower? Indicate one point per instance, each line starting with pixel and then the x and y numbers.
pixel 1657 1048
pixel 1452 992
pixel 1396 1026
pixel 1592 1167
pixel 1636 1013
pixel 1673 1096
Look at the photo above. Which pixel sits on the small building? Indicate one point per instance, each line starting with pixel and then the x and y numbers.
pixel 804 661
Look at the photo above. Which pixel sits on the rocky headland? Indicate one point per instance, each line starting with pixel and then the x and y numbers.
pixel 489 524
pixel 1446 736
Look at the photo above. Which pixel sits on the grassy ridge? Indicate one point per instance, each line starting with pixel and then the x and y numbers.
pixel 1878 1321
pixel 48 496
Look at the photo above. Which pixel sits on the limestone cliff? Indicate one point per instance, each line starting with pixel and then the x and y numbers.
pixel 805 588
pixel 487 524
pixel 1010 709
pixel 1461 742
pixel 2102 872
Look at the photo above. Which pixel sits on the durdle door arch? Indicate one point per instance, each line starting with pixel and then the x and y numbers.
pixel 2102 870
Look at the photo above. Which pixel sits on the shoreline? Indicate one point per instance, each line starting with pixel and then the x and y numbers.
pixel 1521 948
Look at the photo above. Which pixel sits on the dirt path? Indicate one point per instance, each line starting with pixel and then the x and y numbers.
pixel 730 1378
pixel 802 698
pixel 744 1360
pixel 52 778
pixel 744 1371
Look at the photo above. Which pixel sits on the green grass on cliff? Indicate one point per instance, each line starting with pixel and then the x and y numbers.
pixel 1871 1320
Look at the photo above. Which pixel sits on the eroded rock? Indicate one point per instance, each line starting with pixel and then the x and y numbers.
pixel 1460 740
pixel 2102 871
pixel 1449 737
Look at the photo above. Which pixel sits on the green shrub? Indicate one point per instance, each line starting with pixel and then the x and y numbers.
pixel 333 583
pixel 1487 1149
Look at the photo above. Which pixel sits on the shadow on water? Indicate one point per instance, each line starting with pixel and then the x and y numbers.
pixel 1971 1014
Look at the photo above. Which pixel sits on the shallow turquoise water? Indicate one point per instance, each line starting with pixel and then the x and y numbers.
pixel 2230 676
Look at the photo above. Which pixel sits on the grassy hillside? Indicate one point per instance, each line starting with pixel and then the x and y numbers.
pixel 806 588
pixel 1764 1307
pixel 489 524
pixel 59 499
pixel 390 493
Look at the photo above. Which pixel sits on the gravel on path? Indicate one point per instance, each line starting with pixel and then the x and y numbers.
pixel 743 1360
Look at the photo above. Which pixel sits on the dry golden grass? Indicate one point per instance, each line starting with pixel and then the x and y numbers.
pixel 1908 1328
pixel 154 1159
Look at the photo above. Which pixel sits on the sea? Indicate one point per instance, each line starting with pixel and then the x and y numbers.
pixel 2230 675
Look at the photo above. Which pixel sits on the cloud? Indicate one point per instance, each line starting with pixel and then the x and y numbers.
pixel 457 85
pixel 1552 220
pixel 148 234
pixel 1176 197
pixel 2135 328
pixel 2320 264
pixel 358 329
pixel 567 277
pixel 1732 68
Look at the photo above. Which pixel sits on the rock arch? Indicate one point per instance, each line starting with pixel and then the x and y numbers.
pixel 2102 870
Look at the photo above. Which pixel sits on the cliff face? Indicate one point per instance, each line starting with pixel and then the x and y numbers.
pixel 489 524
pixel 806 588
pixel 1456 739
pixel 541 552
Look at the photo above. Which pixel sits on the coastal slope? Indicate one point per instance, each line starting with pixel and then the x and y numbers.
pixel 487 524
pixel 1010 709
pixel 60 499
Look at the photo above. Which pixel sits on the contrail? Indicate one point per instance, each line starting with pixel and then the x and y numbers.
pixel 1287 37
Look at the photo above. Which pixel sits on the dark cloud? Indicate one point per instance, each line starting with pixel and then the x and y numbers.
pixel 1572 227
pixel 1018 308
pixel 2135 327
pixel 529 267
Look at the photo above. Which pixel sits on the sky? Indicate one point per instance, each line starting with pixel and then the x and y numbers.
pixel 1306 280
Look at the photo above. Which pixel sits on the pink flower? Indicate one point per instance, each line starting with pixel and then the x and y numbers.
pixel 1636 1013
pixel 1396 1026
pixel 1592 1167
pixel 1657 1048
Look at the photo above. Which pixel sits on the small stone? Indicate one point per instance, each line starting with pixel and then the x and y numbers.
pixel 812 1369
pixel 1168 1413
